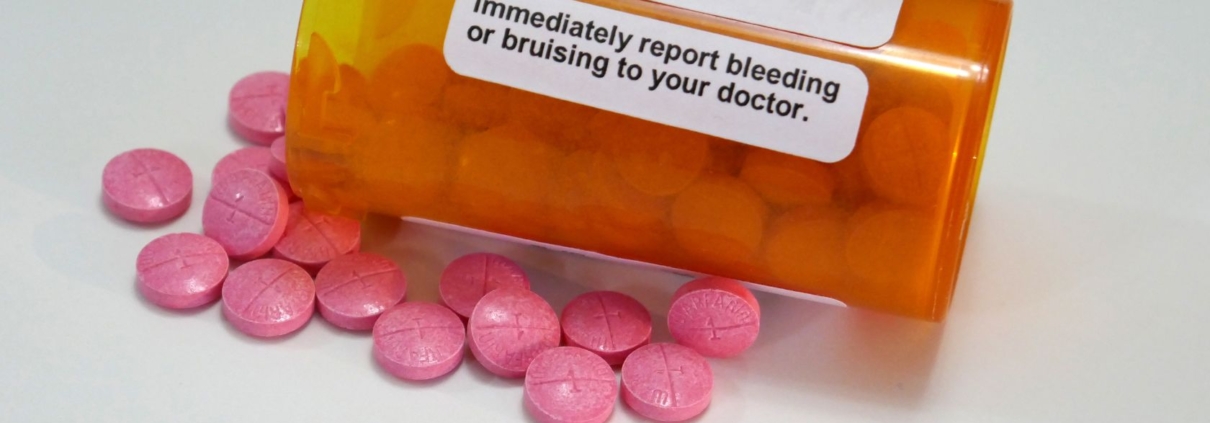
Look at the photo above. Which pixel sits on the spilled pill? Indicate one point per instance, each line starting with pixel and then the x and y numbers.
pixel 256 158
pixel 667 382
pixel 508 328
pixel 609 324
pixel 246 213
pixel 277 163
pixel 353 290
pixel 419 341
pixel 313 239
pixel 268 298
pixel 715 316
pixel 570 385
pixel 181 271
pixel 470 277
pixel 147 186
pixel 257 106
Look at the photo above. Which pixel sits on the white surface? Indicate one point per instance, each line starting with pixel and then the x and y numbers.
pixel 816 128
pixel 1083 296
pixel 863 23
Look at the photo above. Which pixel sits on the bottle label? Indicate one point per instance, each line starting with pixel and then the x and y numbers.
pixel 665 73
pixel 861 23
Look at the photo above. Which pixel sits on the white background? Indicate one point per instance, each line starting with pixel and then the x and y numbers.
pixel 1085 295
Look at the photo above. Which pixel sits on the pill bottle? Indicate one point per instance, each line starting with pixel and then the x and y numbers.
pixel 829 148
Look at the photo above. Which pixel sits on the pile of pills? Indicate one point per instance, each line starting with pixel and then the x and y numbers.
pixel 292 262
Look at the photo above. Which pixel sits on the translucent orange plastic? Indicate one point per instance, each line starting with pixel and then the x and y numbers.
pixel 378 123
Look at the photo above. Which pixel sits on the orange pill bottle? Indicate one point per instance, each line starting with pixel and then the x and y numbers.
pixel 829 148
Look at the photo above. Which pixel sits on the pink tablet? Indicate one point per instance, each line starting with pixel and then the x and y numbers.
pixel 313 239
pixel 667 382
pixel 277 166
pixel 510 327
pixel 610 324
pixel 268 298
pixel 468 278
pixel 147 186
pixel 257 106
pixel 180 271
pixel 717 317
pixel 353 290
pixel 419 341
pixel 246 213
pixel 570 385
pixel 256 158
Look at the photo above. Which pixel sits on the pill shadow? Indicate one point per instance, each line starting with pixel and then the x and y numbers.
pixel 834 351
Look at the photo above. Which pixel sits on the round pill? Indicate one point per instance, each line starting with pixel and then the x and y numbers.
pixel 181 271
pixel 667 382
pixel 719 219
pixel 892 251
pixel 715 316
pixel 257 106
pixel 268 298
pixel 353 290
pixel 312 239
pixel 806 249
pixel 409 157
pixel 656 159
pixel 502 178
pixel 610 324
pixel 907 156
pixel 277 162
pixel 419 341
pixel 787 180
pixel 255 158
pixel 570 385
pixel 408 80
pixel 147 186
pixel 246 213
pixel 466 280
pixel 510 327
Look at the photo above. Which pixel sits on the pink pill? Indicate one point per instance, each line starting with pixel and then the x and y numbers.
pixel 268 298
pixel 610 324
pixel 256 158
pixel 181 271
pixel 258 106
pixel 510 327
pixel 715 316
pixel 147 186
pixel 353 290
pixel 246 213
pixel 419 341
pixel 667 382
pixel 277 166
pixel 313 239
pixel 570 385
pixel 470 277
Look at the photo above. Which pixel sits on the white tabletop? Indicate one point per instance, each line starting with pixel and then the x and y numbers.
pixel 1083 297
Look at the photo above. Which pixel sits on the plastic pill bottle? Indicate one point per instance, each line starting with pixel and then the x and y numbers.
pixel 830 148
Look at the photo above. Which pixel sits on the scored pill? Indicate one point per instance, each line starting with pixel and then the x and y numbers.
pixel 257 106
pixel 715 316
pixel 570 385
pixel 470 277
pixel 268 298
pixel 312 239
pixel 353 290
pixel 147 186
pixel 508 328
pixel 419 341
pixel 246 213
pixel 667 382
pixel 609 324
pixel 181 271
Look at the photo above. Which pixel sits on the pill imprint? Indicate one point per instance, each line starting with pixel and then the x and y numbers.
pixel 181 271
pixel 268 298
pixel 147 186
pixel 419 341
pixel 354 289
